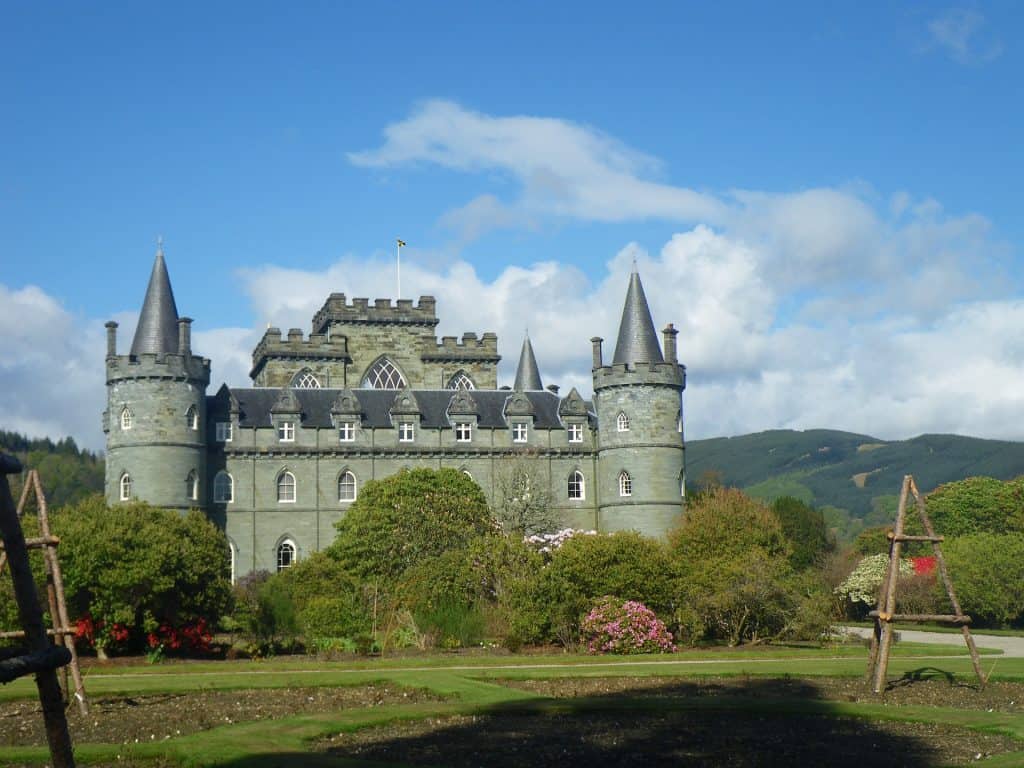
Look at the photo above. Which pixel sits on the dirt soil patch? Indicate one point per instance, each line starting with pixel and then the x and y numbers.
pixel 128 719
pixel 632 735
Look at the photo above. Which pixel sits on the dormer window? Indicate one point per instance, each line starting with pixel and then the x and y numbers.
pixel 126 418
pixel 575 433
pixel 346 431
pixel 463 432
pixel 622 422
pixel 223 431
pixel 406 432
pixel 286 432
pixel 520 432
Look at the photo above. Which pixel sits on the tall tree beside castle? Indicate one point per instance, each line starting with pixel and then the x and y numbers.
pixel 370 392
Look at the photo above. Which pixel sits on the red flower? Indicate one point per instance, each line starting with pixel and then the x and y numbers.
pixel 924 565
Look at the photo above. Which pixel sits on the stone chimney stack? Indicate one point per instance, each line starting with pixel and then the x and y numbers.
pixel 596 347
pixel 185 336
pixel 111 327
pixel 670 334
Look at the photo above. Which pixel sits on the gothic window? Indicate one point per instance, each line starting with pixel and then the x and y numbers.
pixel 622 422
pixel 223 432
pixel 461 380
pixel 520 433
pixel 192 418
pixel 575 433
pixel 286 432
pixel 286 488
pixel 346 486
pixel 406 432
pixel 577 485
pixel 305 379
pixel 126 487
pixel 231 554
pixel 682 483
pixel 126 418
pixel 384 374
pixel 223 488
pixel 463 432
pixel 625 484
pixel 285 554
pixel 466 473
pixel 346 431
pixel 192 486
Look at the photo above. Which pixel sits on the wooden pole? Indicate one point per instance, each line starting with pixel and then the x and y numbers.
pixel 888 603
pixel 32 619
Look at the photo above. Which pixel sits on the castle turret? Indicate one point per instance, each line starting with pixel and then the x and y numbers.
pixel 155 420
pixel 527 374
pixel 639 408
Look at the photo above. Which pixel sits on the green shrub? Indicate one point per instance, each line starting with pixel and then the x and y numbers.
pixel 987 570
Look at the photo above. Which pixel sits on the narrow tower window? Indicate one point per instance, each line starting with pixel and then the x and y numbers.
pixel 577 486
pixel 192 486
pixel 285 554
pixel 622 422
pixel 126 418
pixel 286 488
pixel 126 487
pixel 625 484
pixel 384 374
pixel 192 418
pixel 347 486
pixel 223 488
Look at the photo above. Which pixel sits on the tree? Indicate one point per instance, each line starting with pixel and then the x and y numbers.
pixel 726 522
pixel 407 518
pixel 133 567
pixel 522 497
pixel 987 570
pixel 977 504
pixel 805 528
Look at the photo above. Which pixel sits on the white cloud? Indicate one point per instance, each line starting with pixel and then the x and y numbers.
pixel 960 33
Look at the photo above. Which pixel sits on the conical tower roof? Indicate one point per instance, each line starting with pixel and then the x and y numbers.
pixel 527 374
pixel 638 341
pixel 157 331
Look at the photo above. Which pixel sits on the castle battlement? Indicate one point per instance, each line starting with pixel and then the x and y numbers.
pixel 154 366
pixel 383 312
pixel 470 347
pixel 626 375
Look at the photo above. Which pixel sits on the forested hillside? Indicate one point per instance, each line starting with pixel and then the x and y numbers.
pixel 853 478
pixel 68 473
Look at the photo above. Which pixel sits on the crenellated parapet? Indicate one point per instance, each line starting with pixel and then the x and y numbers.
pixel 150 366
pixel 337 310
pixel 623 375
pixel 469 347
pixel 319 348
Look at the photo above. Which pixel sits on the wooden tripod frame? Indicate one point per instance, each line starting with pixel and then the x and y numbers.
pixel 885 615
pixel 61 630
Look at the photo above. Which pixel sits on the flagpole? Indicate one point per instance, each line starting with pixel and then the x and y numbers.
pixel 398 252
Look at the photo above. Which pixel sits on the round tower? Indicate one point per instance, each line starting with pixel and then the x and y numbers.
pixel 638 399
pixel 155 420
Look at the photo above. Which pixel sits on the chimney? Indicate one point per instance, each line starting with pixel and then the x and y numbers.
pixel 111 327
pixel 596 342
pixel 185 336
pixel 670 333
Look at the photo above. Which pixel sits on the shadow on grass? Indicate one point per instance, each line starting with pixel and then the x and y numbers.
pixel 753 722
pixel 925 674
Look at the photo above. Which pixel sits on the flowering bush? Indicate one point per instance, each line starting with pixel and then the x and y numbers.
pixel 624 626
pixel 97 634
pixel 863 584
pixel 546 543
pixel 192 636
pixel 924 565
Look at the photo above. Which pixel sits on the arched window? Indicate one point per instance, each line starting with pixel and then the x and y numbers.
pixel 305 379
pixel 461 380
pixel 625 484
pixel 577 485
pixel 126 487
pixel 467 474
pixel 231 554
pixel 384 374
pixel 286 488
pixel 192 418
pixel 622 422
pixel 682 483
pixel 346 486
pixel 126 418
pixel 223 488
pixel 192 486
pixel 285 554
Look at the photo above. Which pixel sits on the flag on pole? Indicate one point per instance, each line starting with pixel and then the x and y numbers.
pixel 401 243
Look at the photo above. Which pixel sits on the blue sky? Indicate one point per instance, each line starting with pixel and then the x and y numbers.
pixel 811 191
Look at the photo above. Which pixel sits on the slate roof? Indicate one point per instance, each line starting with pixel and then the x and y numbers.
pixel 255 406
pixel 638 341
pixel 157 331
pixel 527 374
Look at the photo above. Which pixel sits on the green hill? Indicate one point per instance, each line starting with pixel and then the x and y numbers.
pixel 855 479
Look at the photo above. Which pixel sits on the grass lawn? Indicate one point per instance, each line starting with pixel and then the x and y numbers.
pixel 467 688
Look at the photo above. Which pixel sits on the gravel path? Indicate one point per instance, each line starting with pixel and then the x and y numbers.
pixel 1010 646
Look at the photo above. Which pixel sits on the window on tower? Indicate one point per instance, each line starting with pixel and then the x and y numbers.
pixel 126 487
pixel 346 486
pixel 577 485
pixel 126 418
pixel 192 418
pixel 223 488
pixel 286 488
pixel 192 486
pixel 622 422
pixel 461 380
pixel 305 379
pixel 384 374
pixel 223 432
pixel 625 484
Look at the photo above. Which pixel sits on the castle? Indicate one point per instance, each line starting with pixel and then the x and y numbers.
pixel 371 392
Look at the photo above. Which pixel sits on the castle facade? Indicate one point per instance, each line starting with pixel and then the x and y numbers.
pixel 370 392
